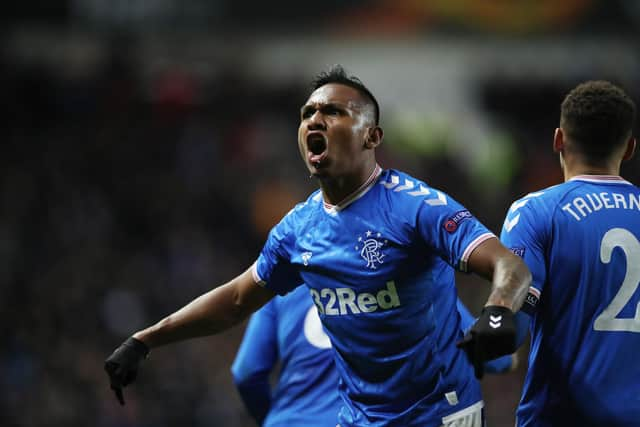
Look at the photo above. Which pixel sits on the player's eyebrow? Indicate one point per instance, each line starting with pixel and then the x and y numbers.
pixel 314 106
pixel 306 107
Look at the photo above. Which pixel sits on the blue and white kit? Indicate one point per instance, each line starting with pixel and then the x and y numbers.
pixel 580 239
pixel 380 269
pixel 286 335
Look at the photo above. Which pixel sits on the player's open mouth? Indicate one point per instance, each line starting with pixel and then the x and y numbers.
pixel 316 146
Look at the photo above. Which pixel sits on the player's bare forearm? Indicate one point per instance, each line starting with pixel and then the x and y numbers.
pixel 511 280
pixel 210 313
pixel 508 274
pixel 495 334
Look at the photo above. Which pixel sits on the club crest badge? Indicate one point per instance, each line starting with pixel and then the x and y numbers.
pixel 370 246
pixel 306 256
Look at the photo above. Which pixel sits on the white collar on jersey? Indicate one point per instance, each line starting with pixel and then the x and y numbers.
pixel 355 195
pixel 600 178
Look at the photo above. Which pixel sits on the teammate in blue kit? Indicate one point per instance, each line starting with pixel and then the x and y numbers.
pixel 377 250
pixel 581 241
pixel 287 331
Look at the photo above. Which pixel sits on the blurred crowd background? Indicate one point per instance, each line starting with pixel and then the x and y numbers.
pixel 148 146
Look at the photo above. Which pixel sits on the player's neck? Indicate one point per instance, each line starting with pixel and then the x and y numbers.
pixel 337 190
pixel 574 163
pixel 579 168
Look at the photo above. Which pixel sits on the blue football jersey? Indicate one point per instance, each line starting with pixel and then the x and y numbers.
pixel 287 330
pixel 380 269
pixel 287 334
pixel 580 240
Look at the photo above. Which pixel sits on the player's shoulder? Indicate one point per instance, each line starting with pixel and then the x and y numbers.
pixel 298 217
pixel 400 187
pixel 398 181
pixel 306 207
pixel 535 205
pixel 538 206
pixel 545 197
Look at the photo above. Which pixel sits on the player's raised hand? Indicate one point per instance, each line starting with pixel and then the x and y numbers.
pixel 122 365
pixel 493 335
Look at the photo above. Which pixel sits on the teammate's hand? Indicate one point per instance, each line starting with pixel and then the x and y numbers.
pixel 493 335
pixel 122 365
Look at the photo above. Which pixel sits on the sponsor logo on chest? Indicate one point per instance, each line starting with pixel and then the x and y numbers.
pixel 341 301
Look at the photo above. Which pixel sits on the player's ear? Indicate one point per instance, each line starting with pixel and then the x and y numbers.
pixel 631 149
pixel 374 137
pixel 558 141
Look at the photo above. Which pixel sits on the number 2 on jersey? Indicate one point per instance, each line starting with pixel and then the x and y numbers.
pixel 607 320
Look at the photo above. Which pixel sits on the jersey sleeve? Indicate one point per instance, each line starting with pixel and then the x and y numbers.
pixel 524 232
pixel 255 360
pixel 273 268
pixel 450 229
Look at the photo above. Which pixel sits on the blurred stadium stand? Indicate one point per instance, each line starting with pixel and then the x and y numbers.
pixel 148 146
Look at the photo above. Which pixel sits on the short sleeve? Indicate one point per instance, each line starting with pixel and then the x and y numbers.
pixel 273 269
pixel 524 233
pixel 450 229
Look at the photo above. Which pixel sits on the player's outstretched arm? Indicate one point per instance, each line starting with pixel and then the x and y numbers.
pixel 210 313
pixel 494 333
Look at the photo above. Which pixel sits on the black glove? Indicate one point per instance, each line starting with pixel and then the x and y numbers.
pixel 493 335
pixel 122 365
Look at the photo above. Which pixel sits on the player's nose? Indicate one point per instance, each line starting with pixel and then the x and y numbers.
pixel 316 122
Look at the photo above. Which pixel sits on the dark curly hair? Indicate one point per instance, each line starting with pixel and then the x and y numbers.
pixel 337 74
pixel 598 117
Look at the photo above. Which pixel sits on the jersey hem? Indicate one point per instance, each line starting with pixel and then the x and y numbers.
pixel 461 413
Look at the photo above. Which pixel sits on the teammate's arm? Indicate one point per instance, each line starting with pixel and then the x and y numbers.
pixel 256 358
pixel 210 313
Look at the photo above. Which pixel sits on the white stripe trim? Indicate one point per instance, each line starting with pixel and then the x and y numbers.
pixel 467 252
pixel 256 276
pixel 358 193
pixel 613 179
pixel 535 291
pixel 463 412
